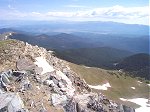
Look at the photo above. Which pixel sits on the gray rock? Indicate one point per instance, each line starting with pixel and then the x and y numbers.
pixel 8 73
pixel 1 91
pixel 25 64
pixel 56 90
pixel 48 83
pixel 128 109
pixel 55 81
pixel 23 110
pixel 60 85
pixel 25 85
pixel 71 106
pixel 5 78
pixel 43 110
pixel 11 102
pixel 57 99
pixel 18 73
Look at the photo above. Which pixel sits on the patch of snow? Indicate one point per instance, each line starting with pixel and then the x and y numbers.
pixel 86 66
pixel 50 51
pixel 38 87
pixel 41 62
pixel 132 87
pixel 115 64
pixel 148 85
pixel 120 70
pixel 10 34
pixel 100 87
pixel 49 82
pixel 139 81
pixel 140 101
pixel 123 99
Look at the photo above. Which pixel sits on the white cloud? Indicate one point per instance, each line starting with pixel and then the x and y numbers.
pixel 133 15
pixel 121 12
pixel 138 15
pixel 59 14
pixel 10 7
pixel 36 13
pixel 75 6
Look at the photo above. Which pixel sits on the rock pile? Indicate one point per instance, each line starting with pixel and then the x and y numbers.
pixel 44 82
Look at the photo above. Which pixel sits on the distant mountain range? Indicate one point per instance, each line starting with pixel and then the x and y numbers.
pixel 62 41
pixel 97 27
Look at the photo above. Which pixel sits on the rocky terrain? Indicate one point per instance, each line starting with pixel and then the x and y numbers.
pixel 32 79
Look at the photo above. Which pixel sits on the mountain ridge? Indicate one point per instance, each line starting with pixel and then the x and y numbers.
pixel 35 83
pixel 103 57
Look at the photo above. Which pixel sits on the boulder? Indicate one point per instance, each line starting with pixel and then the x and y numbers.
pixel 25 85
pixel 11 102
pixel 8 73
pixel 128 109
pixel 71 106
pixel 57 99
pixel 1 91
pixel 5 79
pixel 25 64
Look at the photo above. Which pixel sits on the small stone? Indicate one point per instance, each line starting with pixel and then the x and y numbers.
pixel 55 81
pixel 60 85
pixel 49 82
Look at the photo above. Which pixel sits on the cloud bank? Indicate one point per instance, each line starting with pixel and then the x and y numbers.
pixel 135 15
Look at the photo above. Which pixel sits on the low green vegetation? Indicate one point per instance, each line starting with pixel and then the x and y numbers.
pixel 120 82
pixel 5 42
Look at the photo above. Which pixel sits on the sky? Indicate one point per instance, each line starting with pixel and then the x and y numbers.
pixel 125 11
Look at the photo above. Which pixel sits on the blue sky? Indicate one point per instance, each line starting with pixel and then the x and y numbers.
pixel 126 11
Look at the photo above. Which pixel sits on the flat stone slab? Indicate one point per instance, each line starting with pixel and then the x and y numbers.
pixel 25 64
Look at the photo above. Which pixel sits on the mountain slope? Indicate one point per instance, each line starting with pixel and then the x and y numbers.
pixel 138 65
pixel 121 84
pixel 103 57
pixel 42 82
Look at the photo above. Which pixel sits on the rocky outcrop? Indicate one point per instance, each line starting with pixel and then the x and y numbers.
pixel 92 102
pixel 5 36
pixel 45 83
